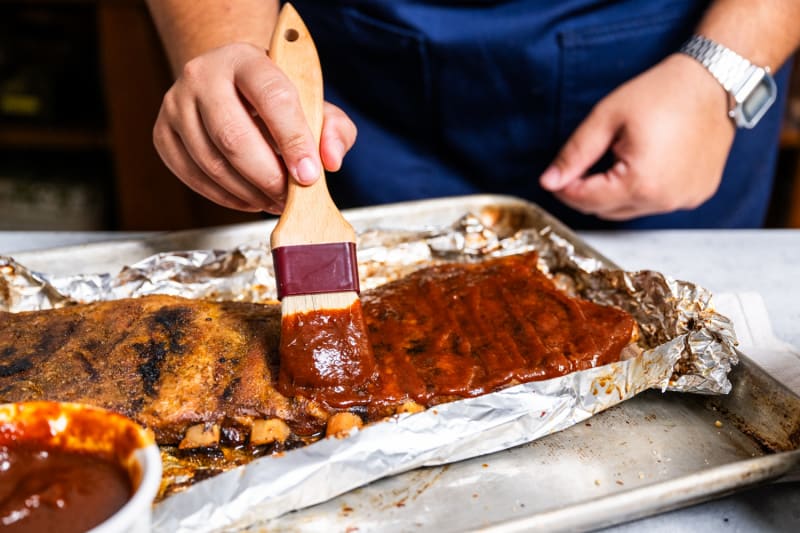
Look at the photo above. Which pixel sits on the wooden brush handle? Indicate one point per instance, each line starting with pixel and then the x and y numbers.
pixel 310 216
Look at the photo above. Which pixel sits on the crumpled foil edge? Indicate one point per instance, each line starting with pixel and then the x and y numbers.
pixel 686 346
pixel 269 487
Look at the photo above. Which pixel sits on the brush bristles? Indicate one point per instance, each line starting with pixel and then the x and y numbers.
pixel 305 303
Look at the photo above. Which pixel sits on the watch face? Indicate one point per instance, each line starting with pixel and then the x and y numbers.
pixel 757 102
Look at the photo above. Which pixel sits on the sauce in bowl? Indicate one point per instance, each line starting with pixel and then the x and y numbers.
pixel 42 491
pixel 70 467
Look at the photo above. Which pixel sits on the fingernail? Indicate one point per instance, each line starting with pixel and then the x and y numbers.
pixel 551 178
pixel 307 171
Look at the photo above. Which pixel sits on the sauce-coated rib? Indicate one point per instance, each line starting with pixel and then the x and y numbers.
pixel 441 333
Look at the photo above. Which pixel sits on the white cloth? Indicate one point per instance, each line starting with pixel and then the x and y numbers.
pixel 757 340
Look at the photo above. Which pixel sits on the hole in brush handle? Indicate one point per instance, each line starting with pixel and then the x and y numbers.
pixel 291 35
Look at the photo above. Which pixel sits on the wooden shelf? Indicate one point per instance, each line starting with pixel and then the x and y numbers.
pixel 63 138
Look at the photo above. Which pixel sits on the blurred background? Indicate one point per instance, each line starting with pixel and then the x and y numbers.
pixel 81 82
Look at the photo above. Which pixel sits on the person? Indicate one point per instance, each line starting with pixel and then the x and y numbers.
pixel 584 107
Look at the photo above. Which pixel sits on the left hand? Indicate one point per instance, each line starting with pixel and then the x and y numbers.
pixel 670 134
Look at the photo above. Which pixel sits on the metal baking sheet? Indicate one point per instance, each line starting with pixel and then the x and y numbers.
pixel 647 455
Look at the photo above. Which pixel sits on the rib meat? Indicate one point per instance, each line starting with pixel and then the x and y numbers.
pixel 442 333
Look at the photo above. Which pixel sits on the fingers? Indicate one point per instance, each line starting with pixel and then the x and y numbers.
pixel 275 99
pixel 338 136
pixel 232 128
pixel 620 193
pixel 231 139
pixel 206 136
pixel 670 150
pixel 239 161
pixel 584 148
pixel 600 194
pixel 172 151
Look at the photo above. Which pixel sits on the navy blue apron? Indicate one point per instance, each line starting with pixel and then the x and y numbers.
pixel 464 97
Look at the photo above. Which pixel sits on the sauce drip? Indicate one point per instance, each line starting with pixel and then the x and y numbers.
pixel 448 332
pixel 46 490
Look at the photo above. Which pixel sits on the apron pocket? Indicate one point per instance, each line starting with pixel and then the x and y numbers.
pixel 598 58
pixel 381 68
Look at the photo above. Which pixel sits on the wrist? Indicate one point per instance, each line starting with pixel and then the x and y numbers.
pixel 701 88
pixel 750 88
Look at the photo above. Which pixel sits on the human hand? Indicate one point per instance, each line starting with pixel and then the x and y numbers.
pixel 670 135
pixel 232 125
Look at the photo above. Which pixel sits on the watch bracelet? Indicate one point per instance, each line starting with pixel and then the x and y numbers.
pixel 724 64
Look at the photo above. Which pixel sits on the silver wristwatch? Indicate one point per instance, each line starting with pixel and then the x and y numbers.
pixel 751 88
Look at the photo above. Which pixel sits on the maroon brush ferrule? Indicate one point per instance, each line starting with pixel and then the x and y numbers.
pixel 315 268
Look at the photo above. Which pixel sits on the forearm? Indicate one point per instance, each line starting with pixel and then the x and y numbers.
pixel 191 28
pixel 766 32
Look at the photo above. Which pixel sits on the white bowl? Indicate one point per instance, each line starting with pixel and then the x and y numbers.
pixel 136 515
pixel 82 428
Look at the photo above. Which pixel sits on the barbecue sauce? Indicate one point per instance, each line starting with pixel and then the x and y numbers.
pixel 46 490
pixel 448 332
pixel 326 356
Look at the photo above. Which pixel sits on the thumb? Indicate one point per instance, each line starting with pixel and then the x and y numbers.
pixel 587 144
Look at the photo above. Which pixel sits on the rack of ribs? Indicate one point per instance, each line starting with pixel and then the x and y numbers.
pixel 199 372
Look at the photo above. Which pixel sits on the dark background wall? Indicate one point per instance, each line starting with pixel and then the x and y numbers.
pixel 81 82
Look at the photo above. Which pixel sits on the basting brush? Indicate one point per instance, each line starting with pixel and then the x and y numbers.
pixel 324 350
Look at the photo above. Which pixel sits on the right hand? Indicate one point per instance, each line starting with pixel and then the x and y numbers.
pixel 232 126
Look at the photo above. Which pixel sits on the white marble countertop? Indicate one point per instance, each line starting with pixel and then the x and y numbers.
pixel 766 262
pixel 732 261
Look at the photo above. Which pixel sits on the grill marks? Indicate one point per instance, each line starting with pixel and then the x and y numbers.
pixel 67 354
pixel 18 355
pixel 53 338
pixel 176 352
pixel 24 350
pixel 168 326
pixel 145 358
pixel 15 367
pixel 10 365
pixel 153 354
pixel 87 365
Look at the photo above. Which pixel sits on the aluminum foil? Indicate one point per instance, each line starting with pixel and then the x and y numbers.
pixel 684 346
